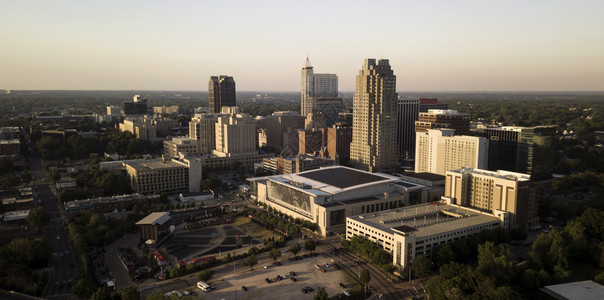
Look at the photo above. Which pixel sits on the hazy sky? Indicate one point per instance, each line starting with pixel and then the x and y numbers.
pixel 176 45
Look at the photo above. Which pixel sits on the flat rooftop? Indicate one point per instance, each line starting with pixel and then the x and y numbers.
pixel 585 290
pixel 156 218
pixel 424 176
pixel 143 165
pixel 425 219
pixel 341 177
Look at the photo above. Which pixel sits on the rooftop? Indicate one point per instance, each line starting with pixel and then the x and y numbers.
pixel 585 290
pixel 341 177
pixel 425 219
pixel 498 174
pixel 156 218
pixel 142 165
pixel 425 176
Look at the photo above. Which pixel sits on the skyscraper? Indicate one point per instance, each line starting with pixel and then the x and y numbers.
pixel 445 119
pixel 373 146
pixel 221 92
pixel 319 93
pixel 408 112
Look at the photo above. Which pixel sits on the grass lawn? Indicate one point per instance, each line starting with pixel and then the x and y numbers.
pixel 256 230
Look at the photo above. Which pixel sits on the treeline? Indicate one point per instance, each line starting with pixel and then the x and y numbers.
pixel 78 147
pixel 497 275
pixel 18 263
pixel 370 250
pixel 94 230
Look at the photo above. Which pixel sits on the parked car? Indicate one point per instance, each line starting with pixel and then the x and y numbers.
pixel 322 270
pixel 292 273
pixel 244 288
pixel 277 263
pixel 293 279
pixel 342 285
pixel 347 293
pixel 309 289
pixel 267 280
pixel 304 291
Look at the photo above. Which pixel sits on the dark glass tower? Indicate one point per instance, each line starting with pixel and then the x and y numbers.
pixel 221 92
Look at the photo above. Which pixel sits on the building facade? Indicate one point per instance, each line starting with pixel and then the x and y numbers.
pixel 522 149
pixel 168 175
pixel 373 146
pixel 319 93
pixel 409 231
pixel 407 114
pixel 178 145
pixel 439 150
pixel 221 92
pixel 443 119
pixel 235 135
pixel 328 195
pixel 489 191
pixel 280 130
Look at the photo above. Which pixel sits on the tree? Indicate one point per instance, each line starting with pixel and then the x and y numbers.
pixel 253 250
pixel 130 293
pixel 38 217
pixel 101 294
pixel 365 277
pixel 295 248
pixel 444 254
pixel 321 294
pixel 518 233
pixel 274 254
pixel 174 272
pixel 227 258
pixel 251 261
pixel 309 245
pixel 422 266
pixel 155 295
pixel 205 275
pixel 8 180
pixel 495 262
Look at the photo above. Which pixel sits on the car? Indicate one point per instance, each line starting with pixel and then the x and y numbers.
pixel 265 266
pixel 293 279
pixel 304 290
pixel 317 267
pixel 327 265
pixel 285 250
pixel 177 294
pixel 292 273
pixel 278 277
pixel 277 263
pixel 322 270
pixel 267 280
pixel 290 259
pixel 342 285
pixel 347 293
pixel 212 286
pixel 309 289
pixel 305 256
pixel 58 237
pixel 244 288
pixel 186 293
pixel 284 276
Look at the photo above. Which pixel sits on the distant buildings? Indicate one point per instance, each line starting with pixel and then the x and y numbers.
pixel 490 191
pixel 280 130
pixel 10 141
pixel 426 104
pixel 319 93
pixel 221 92
pixel 439 150
pixel 373 146
pixel 295 164
pixel 106 204
pixel 138 106
pixel 522 149
pixel 143 128
pixel 443 119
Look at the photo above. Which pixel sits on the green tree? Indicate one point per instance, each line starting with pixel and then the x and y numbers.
pixel 174 272
pixel 227 258
pixel 205 275
pixel 156 295
pixel 496 263
pixel 295 248
pixel 38 217
pixel 309 245
pixel 321 294
pixel 8 180
pixel 444 255
pixel 251 261
pixel 101 294
pixel 274 254
pixel 365 278
pixel 130 293
pixel 421 266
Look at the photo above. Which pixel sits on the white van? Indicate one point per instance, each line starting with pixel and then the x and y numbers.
pixel 203 286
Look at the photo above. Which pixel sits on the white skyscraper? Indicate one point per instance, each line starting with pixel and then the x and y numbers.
pixel 319 92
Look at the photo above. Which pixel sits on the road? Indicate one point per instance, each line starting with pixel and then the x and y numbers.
pixel 62 270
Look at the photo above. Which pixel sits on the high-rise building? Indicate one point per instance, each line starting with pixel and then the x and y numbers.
pixel 426 104
pixel 235 134
pixel 408 113
pixel 221 92
pixel 319 93
pixel 339 137
pixel 138 106
pixel 202 127
pixel 522 149
pixel 373 146
pixel 439 150
pixel 490 191
pixel 445 119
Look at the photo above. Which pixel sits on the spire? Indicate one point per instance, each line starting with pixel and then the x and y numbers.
pixel 307 64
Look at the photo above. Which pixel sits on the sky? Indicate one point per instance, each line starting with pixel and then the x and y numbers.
pixel 538 45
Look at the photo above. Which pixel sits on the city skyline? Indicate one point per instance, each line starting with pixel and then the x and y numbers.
pixel 436 46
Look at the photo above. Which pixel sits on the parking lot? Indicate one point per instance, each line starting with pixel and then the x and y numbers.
pixel 307 275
